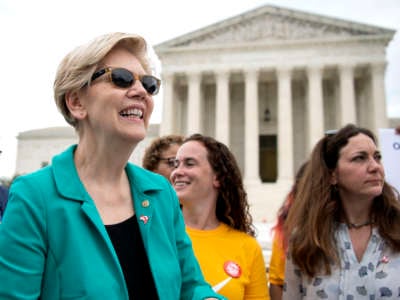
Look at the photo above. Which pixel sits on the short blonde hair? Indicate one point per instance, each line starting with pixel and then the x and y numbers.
pixel 78 66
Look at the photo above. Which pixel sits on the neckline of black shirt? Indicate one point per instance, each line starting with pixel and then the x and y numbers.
pixel 128 244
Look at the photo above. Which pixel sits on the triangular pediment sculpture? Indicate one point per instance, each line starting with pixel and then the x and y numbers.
pixel 271 24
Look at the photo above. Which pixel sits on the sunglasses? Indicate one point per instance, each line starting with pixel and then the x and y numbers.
pixel 124 78
pixel 170 161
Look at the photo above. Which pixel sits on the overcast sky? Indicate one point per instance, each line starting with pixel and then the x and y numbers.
pixel 35 36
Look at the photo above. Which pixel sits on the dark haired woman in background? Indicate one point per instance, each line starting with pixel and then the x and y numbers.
pixel 344 224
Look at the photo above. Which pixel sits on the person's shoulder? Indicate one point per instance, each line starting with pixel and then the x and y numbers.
pixel 247 243
pixel 42 175
pixel 245 237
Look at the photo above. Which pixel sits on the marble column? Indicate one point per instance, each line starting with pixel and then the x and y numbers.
pixel 315 106
pixel 167 126
pixel 222 124
pixel 285 125
pixel 347 102
pixel 194 103
pixel 251 137
pixel 379 116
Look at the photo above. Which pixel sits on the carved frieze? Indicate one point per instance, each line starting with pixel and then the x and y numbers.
pixel 271 24
pixel 271 27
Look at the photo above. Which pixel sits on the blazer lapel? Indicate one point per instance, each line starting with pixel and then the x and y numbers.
pixel 64 171
pixel 144 214
pixel 143 187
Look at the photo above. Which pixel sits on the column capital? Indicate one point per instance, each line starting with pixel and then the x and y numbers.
pixel 284 71
pixel 346 66
pixel 313 67
pixel 251 71
pixel 222 73
pixel 193 74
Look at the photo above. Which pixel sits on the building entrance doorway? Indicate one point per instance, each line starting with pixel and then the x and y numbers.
pixel 268 158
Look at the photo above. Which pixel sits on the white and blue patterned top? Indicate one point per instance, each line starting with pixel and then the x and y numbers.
pixel 377 276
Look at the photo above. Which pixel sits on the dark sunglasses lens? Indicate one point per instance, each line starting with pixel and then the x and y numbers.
pixel 150 84
pixel 122 78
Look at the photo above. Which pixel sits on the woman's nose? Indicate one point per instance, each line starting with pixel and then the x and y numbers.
pixel 177 171
pixel 137 90
pixel 374 164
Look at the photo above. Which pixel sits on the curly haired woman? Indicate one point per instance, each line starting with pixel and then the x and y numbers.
pixel 209 185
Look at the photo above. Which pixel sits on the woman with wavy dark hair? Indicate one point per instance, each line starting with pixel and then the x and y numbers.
pixel 344 223
pixel 214 202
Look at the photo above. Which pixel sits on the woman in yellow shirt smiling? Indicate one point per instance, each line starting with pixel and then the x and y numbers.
pixel 209 185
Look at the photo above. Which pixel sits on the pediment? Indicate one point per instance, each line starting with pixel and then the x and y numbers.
pixel 273 24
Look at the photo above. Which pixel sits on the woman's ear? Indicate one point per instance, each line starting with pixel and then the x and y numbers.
pixel 74 104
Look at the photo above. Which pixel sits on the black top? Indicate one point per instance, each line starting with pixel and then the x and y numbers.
pixel 129 247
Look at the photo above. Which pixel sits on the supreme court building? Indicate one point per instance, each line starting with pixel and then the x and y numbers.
pixel 269 83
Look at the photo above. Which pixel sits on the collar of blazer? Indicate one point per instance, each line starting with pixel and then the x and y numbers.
pixel 69 185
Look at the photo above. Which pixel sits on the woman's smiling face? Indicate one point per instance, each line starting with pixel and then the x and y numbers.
pixel 193 178
pixel 116 111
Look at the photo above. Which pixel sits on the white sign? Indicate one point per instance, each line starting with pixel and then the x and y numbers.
pixel 390 149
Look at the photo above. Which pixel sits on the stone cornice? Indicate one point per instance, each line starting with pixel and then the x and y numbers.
pixel 382 39
pixel 300 63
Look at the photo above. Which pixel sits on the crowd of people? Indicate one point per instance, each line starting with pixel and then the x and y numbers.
pixel 92 225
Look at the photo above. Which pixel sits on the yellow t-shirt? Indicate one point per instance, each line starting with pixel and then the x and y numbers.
pixel 277 262
pixel 231 261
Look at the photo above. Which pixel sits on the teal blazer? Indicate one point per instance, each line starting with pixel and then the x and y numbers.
pixel 53 243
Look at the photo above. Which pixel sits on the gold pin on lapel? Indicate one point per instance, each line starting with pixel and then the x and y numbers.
pixel 145 203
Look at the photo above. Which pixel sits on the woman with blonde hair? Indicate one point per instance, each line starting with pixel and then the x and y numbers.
pixel 92 225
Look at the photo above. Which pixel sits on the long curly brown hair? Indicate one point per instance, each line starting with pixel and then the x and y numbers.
pixel 317 208
pixel 233 208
